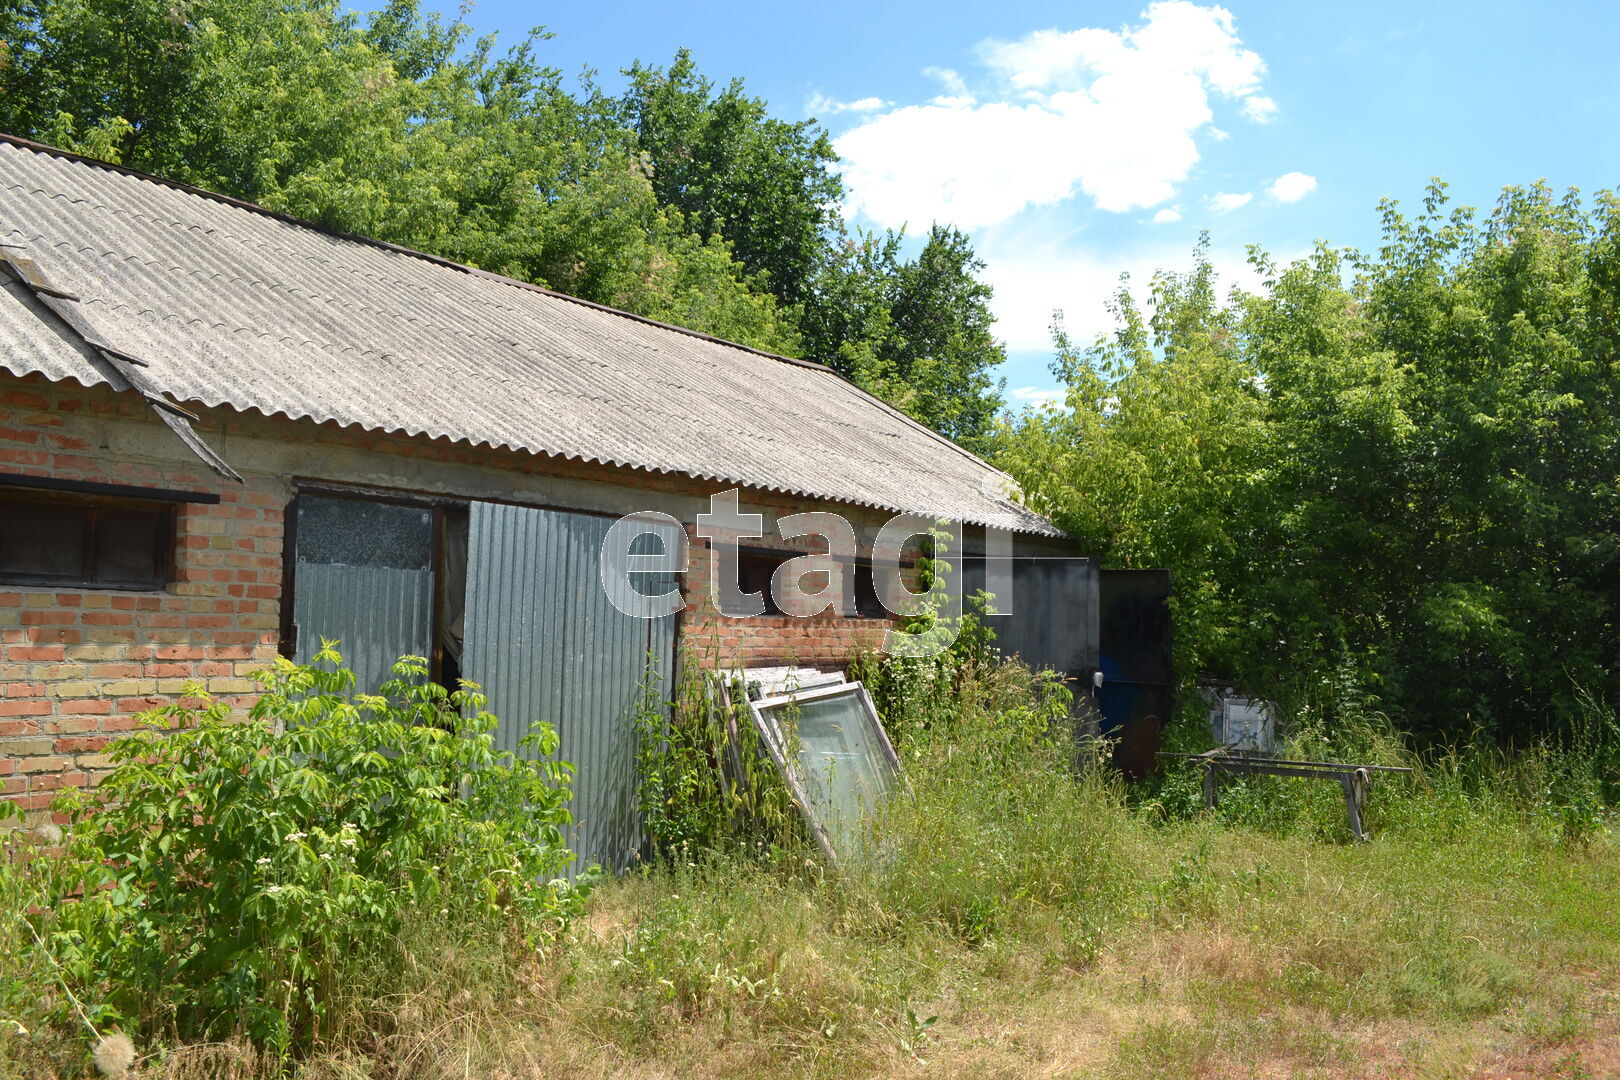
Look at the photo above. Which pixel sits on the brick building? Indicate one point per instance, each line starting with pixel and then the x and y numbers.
pixel 226 433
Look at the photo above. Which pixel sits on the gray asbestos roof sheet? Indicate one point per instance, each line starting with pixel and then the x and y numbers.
pixel 235 306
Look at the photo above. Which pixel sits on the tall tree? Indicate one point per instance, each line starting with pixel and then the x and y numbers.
pixel 916 333
pixel 943 349
pixel 1153 460
pixel 733 170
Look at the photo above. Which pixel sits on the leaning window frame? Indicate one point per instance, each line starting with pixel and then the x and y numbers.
pixel 787 765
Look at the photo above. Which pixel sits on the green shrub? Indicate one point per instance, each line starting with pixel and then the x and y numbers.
pixel 226 873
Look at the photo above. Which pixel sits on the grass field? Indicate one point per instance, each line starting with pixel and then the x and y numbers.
pixel 1207 950
pixel 1024 918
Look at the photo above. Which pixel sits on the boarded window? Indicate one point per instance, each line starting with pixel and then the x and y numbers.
pixel 87 541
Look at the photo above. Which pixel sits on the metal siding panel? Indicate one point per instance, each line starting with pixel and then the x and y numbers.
pixel 377 613
pixel 1053 619
pixel 235 306
pixel 547 645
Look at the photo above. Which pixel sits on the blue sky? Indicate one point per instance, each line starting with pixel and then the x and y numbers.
pixel 1077 141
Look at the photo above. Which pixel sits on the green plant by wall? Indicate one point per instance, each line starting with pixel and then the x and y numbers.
pixel 706 783
pixel 923 693
pixel 227 874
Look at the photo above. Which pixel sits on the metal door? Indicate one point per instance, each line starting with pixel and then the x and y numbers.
pixel 363 576
pixel 1050 617
pixel 1136 664
pixel 547 644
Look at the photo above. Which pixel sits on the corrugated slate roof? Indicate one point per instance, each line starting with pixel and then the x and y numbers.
pixel 230 304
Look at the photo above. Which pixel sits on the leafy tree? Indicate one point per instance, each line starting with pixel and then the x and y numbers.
pixel 94 75
pixel 1404 464
pixel 1154 459
pixel 735 171
pixel 915 333
pixel 848 323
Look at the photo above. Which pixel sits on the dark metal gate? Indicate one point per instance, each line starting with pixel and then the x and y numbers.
pixel 1135 637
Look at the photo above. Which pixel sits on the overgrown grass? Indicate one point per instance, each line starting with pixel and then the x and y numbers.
pixel 1022 914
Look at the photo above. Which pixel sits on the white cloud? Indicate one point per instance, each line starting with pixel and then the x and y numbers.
pixel 1166 216
pixel 1111 114
pixel 1259 108
pixel 1040 396
pixel 1227 201
pixel 1291 187
pixel 955 87
pixel 822 105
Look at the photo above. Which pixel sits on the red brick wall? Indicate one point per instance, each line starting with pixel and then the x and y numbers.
pixel 824 640
pixel 77 665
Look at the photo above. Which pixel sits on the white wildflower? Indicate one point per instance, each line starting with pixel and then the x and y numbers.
pixel 114 1055
pixel 262 861
pixel 294 836
pixel 326 854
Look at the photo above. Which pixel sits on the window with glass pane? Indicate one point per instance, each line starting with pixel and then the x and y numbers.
pixel 841 759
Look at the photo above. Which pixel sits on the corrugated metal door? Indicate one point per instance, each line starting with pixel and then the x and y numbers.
pixel 546 644
pixel 363 576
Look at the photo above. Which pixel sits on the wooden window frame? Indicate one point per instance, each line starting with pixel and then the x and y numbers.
pixel 94 500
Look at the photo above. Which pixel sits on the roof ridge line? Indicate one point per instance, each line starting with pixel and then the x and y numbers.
pixel 399 249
